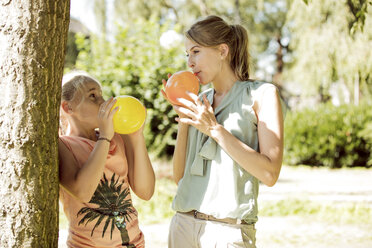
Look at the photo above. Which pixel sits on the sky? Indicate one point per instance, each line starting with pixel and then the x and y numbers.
pixel 82 10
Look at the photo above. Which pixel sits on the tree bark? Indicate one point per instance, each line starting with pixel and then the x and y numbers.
pixel 33 36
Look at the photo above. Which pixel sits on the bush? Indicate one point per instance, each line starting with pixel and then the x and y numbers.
pixel 329 136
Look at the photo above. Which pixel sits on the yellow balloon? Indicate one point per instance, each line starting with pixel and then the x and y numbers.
pixel 130 116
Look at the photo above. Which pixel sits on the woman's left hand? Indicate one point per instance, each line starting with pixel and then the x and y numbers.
pixel 198 114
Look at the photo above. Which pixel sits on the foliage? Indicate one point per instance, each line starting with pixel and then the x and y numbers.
pixel 329 136
pixel 325 51
pixel 134 64
pixel 359 10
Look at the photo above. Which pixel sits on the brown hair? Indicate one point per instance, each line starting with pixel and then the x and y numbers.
pixel 71 83
pixel 213 31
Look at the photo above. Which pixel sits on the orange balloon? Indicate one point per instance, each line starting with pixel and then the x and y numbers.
pixel 178 84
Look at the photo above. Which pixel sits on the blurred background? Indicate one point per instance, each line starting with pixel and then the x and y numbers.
pixel 318 53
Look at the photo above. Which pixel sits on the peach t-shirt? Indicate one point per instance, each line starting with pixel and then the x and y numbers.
pixel 109 218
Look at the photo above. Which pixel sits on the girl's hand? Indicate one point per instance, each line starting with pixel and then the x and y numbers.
pixel 105 115
pixel 197 114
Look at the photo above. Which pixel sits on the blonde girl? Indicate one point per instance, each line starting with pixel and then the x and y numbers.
pixel 98 168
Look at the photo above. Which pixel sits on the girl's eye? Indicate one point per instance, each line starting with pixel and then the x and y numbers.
pixel 196 51
pixel 92 95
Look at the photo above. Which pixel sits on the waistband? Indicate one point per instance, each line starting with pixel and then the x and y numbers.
pixel 202 216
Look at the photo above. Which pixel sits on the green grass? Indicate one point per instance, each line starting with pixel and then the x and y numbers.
pixel 350 213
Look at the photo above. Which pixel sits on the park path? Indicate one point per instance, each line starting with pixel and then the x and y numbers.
pixel 314 184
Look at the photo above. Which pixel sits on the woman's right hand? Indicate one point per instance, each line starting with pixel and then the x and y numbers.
pixel 105 115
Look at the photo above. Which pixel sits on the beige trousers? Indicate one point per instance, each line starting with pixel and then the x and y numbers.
pixel 187 232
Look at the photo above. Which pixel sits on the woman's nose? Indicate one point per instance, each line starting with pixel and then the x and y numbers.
pixel 190 63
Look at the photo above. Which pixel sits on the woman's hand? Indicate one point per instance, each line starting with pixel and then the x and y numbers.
pixel 164 84
pixel 105 115
pixel 197 114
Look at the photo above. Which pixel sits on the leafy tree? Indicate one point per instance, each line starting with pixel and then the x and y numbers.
pixel 326 51
pixel 359 10
pixel 33 36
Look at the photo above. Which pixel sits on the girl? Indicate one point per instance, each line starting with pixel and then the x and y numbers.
pixel 98 168
pixel 229 138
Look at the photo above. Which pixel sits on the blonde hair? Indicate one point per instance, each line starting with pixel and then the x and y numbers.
pixel 72 83
pixel 213 31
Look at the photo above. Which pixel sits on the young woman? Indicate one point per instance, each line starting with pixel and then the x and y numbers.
pixel 98 168
pixel 229 139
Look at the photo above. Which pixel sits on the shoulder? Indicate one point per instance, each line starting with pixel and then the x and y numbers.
pixel 65 154
pixel 260 93
pixel 63 144
pixel 259 88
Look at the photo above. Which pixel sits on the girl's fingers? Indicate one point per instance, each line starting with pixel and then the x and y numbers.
pixel 105 103
pixel 169 75
pixel 164 82
pixel 111 104
pixel 111 115
pixel 105 108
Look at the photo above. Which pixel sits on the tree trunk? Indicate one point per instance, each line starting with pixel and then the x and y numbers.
pixel 33 36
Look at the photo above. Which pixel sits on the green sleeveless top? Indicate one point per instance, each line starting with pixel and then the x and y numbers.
pixel 213 183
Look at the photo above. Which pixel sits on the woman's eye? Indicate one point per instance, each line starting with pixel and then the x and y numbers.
pixel 196 51
pixel 92 95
